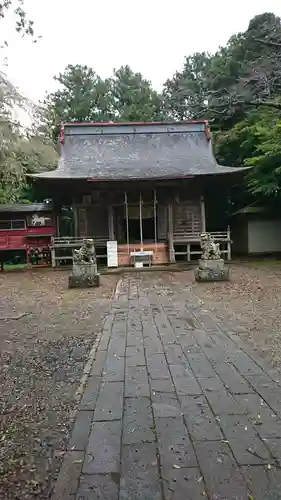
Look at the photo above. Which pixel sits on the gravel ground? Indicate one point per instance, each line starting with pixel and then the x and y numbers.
pixel 46 332
pixel 250 303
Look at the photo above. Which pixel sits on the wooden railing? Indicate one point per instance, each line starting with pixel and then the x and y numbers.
pixel 185 244
pixel 217 236
pixel 74 241
pixel 190 240
pixel 70 243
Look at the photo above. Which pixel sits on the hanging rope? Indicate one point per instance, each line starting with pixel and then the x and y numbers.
pixel 127 222
pixel 141 235
pixel 155 218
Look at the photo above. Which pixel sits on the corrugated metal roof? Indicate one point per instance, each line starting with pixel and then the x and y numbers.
pixel 253 210
pixel 118 153
pixel 22 207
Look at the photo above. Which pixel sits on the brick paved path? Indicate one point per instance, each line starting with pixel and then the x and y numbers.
pixel 174 409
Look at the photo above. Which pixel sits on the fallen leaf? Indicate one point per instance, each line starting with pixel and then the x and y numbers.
pixel 257 422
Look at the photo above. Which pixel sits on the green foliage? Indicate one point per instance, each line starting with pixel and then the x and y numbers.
pixel 255 142
pixel 186 94
pixel 252 135
pixel 21 151
pixel 132 97
pixel 265 178
pixel 84 96
pixel 238 89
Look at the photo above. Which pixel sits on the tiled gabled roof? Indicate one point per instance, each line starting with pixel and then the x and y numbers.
pixel 136 151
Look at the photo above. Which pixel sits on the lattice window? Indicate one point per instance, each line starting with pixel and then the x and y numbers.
pixel 187 218
pixel 82 222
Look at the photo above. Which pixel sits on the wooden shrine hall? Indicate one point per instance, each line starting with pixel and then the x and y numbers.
pixel 140 185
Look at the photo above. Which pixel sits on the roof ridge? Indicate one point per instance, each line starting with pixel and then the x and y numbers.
pixel 116 124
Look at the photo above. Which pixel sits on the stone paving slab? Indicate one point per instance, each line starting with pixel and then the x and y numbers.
pixel 90 395
pixel 136 382
pixel 183 484
pixel 99 486
pixel 263 483
pixel 247 447
pixel 110 401
pixel 175 447
pixel 81 430
pixel 139 473
pixel 220 471
pixel 114 369
pixel 137 421
pixel 69 476
pixel 175 408
pixel 104 448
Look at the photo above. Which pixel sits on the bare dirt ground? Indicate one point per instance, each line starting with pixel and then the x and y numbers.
pixel 46 332
pixel 250 303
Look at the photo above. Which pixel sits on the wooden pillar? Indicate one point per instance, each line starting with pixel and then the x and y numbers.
pixel 75 218
pixel 188 254
pixel 110 224
pixel 141 235
pixel 155 218
pixel 127 223
pixel 28 261
pixel 203 215
pixel 170 233
pixel 58 225
pixel 53 257
pixel 228 243
pixel 82 222
pixel 53 253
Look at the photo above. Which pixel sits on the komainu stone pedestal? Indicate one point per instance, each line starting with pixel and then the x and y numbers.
pixel 211 270
pixel 84 275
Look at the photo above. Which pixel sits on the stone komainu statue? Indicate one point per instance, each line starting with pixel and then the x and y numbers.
pixel 210 249
pixel 86 254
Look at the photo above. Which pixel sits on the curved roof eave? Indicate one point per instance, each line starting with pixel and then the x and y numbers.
pixel 56 175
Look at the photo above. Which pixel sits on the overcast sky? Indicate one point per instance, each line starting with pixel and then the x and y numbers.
pixel 152 36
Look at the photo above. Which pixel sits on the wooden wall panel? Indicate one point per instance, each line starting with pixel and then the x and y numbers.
pixel 162 220
pixel 82 222
pixel 186 218
pixel 98 222
pixel 93 221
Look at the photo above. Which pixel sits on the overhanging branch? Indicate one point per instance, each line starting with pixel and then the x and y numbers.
pixel 270 43
pixel 269 104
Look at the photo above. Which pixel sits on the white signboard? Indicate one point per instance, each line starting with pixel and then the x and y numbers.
pixel 40 220
pixel 112 254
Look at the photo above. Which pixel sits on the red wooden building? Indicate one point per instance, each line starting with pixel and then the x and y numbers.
pixel 142 185
pixel 27 229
